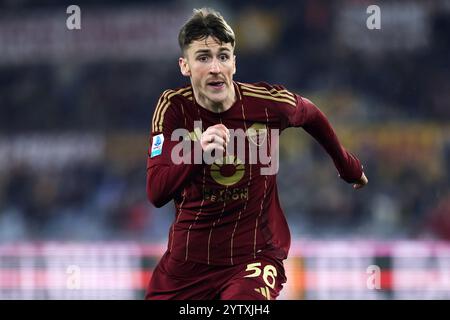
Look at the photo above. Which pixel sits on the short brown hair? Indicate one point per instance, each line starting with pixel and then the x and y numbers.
pixel 205 22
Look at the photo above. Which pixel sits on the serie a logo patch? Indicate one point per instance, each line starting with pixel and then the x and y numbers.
pixel 157 145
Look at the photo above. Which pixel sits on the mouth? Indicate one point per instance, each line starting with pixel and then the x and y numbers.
pixel 216 84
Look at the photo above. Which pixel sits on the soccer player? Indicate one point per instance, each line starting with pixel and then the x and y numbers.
pixel 229 237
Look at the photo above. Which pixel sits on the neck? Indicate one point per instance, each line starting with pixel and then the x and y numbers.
pixel 213 106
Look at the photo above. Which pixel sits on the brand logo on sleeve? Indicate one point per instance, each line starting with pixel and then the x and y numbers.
pixel 157 145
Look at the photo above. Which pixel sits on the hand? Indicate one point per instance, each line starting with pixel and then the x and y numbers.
pixel 215 137
pixel 361 182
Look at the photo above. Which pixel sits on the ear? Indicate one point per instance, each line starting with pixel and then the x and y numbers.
pixel 184 67
pixel 234 65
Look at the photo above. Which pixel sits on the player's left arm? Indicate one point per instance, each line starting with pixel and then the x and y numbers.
pixel 306 115
pixel 317 125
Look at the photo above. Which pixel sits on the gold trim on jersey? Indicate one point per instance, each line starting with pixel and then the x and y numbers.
pixel 163 105
pixel 184 116
pixel 238 91
pixel 264 196
pixel 157 109
pixel 178 218
pixel 259 215
pixel 196 216
pixel 212 227
pixel 248 184
pixel 188 95
pixel 268 98
pixel 264 291
pixel 272 91
pixel 273 94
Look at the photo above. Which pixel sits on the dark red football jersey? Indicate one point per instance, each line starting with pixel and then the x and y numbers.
pixel 228 212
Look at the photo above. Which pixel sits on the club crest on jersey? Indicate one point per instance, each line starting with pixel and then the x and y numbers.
pixel 157 144
pixel 257 134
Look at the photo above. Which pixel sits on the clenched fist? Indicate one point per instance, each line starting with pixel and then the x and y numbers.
pixel 215 138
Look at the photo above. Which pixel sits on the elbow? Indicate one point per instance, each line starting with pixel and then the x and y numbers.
pixel 155 192
pixel 155 198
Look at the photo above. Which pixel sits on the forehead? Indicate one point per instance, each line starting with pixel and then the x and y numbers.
pixel 209 44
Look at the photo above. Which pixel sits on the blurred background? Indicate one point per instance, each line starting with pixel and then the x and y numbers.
pixel 75 113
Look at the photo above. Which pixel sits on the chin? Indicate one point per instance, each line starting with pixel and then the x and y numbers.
pixel 217 102
pixel 218 98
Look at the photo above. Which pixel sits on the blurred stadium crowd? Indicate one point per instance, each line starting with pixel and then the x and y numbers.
pixel 74 120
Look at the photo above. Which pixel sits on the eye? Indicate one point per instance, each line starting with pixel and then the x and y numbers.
pixel 202 58
pixel 223 57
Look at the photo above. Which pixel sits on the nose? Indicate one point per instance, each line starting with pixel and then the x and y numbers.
pixel 215 67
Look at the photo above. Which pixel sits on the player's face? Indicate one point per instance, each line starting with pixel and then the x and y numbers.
pixel 210 65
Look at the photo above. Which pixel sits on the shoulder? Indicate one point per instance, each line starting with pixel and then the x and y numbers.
pixel 174 96
pixel 266 91
pixel 169 106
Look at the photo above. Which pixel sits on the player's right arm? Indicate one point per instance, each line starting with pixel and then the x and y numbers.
pixel 164 177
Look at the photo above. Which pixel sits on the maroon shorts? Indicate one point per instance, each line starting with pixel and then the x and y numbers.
pixel 261 279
